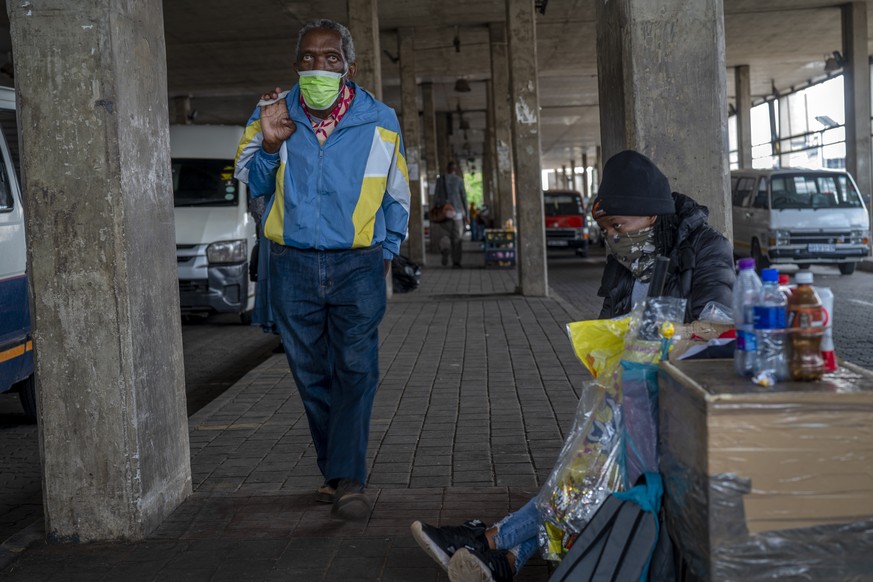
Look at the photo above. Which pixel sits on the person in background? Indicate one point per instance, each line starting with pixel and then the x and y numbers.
pixel 473 217
pixel 329 158
pixel 450 189
pixel 641 219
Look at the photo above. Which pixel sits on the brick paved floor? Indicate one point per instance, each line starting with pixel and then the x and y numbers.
pixel 479 386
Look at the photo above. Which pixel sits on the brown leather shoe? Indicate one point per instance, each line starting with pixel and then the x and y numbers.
pixel 350 503
pixel 325 494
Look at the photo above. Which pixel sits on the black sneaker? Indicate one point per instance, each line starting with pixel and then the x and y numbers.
pixel 441 542
pixel 472 565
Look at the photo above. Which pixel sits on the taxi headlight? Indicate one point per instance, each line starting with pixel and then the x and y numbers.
pixel 226 251
pixel 779 237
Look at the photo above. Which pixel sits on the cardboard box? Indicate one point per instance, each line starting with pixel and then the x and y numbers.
pixel 745 467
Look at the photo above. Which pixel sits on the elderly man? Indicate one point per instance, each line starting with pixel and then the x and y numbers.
pixel 329 158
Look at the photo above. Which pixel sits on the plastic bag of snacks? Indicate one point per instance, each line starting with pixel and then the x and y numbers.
pixel 592 462
pixel 598 342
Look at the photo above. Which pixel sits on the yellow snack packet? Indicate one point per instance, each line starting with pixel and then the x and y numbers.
pixel 598 343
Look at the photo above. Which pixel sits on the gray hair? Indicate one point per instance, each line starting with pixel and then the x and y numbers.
pixel 346 36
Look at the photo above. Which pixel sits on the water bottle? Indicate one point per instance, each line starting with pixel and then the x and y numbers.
pixel 771 365
pixel 746 291
pixel 806 323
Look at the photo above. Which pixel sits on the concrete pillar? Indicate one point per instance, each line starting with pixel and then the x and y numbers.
pixel 443 127
pixel 743 89
pixel 774 131
pixel 565 181
pixel 586 191
pixel 364 26
pixel 525 121
pixel 502 131
pixel 105 294
pixel 489 161
pixel 856 75
pixel 662 84
pixel 572 184
pixel 597 170
pixel 182 112
pixel 431 157
pixel 409 124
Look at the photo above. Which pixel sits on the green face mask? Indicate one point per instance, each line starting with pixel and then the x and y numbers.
pixel 320 88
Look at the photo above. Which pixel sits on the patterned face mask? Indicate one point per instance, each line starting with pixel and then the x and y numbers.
pixel 635 250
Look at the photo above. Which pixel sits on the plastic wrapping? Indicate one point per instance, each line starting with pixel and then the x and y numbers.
pixel 768 483
pixel 716 312
pixel 639 410
pixel 602 450
pixel 598 342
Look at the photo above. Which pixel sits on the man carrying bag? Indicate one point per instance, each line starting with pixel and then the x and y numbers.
pixel 450 200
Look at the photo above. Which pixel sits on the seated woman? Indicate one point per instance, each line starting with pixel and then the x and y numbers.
pixel 641 218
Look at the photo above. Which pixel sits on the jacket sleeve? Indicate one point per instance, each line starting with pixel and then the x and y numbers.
pixel 616 286
pixel 714 274
pixel 254 166
pixel 395 203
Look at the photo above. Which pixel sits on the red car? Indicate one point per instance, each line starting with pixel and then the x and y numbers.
pixel 566 220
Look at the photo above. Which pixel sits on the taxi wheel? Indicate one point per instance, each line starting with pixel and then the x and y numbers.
pixel 27 395
pixel 761 260
pixel 847 268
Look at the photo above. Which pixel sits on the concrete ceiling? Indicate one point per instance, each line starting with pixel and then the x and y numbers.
pixel 224 53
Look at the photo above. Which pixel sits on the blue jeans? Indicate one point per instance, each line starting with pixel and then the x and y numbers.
pixel 327 306
pixel 519 533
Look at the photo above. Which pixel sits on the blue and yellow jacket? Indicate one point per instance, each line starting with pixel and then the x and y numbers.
pixel 352 192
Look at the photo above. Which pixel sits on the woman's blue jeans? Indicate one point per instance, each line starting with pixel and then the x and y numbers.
pixel 518 532
pixel 327 306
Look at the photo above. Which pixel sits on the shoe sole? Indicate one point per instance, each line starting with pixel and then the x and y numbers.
pixel 429 547
pixel 465 567
pixel 324 497
pixel 351 507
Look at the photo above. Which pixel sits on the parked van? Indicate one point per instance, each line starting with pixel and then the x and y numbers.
pixel 16 347
pixel 566 222
pixel 799 216
pixel 215 234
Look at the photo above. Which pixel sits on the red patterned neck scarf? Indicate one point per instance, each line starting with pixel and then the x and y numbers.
pixel 324 127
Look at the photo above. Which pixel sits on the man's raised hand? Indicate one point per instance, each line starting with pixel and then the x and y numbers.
pixel 276 126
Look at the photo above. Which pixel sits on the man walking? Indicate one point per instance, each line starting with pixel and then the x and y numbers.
pixel 450 188
pixel 330 160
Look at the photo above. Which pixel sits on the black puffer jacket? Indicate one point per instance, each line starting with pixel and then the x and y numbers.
pixel 701 267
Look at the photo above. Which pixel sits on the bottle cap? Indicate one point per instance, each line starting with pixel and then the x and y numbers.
pixel 784 279
pixel 746 264
pixel 803 278
pixel 770 275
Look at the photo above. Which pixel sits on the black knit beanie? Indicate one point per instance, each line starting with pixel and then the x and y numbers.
pixel 633 185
